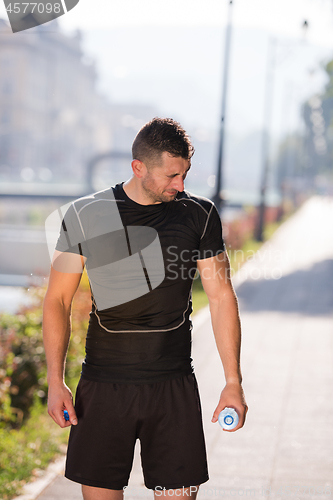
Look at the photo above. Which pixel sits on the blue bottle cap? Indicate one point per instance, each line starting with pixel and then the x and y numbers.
pixel 66 416
pixel 228 418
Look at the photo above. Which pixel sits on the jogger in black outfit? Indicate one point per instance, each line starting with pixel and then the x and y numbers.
pixel 142 242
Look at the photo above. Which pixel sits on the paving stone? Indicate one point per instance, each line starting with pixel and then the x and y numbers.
pixel 56 490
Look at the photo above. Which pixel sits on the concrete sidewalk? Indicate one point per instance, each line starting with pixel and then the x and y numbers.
pixel 286 302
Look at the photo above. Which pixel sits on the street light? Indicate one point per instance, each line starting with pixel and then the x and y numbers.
pixel 269 92
pixel 217 199
pixel 265 139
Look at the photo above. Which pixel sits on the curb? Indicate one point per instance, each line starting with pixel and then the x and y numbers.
pixel 33 489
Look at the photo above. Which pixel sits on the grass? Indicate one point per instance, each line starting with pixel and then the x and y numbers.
pixel 26 451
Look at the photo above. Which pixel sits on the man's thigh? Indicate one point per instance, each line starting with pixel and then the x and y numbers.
pixel 173 449
pixel 101 446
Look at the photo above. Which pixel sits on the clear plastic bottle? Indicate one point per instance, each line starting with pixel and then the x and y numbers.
pixel 228 418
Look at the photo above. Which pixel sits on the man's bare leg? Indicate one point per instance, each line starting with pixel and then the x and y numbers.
pixel 190 493
pixel 92 493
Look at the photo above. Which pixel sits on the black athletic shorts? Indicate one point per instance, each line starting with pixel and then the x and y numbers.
pixel 165 416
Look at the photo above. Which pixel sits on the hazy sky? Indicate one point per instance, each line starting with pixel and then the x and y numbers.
pixel 169 54
pixel 279 16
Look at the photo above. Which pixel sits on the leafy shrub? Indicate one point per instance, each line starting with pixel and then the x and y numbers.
pixel 22 363
pixel 23 373
pixel 29 444
pixel 25 451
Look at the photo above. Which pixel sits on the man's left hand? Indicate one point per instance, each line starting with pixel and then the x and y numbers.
pixel 232 396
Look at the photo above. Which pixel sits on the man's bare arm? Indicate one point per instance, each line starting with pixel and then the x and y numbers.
pixel 215 277
pixel 56 335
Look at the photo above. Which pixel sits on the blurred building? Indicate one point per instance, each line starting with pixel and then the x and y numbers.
pixel 52 118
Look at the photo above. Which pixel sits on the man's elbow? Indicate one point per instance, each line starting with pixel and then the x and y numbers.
pixel 222 297
pixel 56 303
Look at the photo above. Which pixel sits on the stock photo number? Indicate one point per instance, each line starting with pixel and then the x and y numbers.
pixel 23 7
pixel 26 15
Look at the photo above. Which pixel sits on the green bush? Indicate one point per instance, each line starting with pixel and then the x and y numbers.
pixel 23 373
pixel 22 365
pixel 25 451
pixel 29 439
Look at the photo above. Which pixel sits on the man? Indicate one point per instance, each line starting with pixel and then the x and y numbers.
pixel 141 242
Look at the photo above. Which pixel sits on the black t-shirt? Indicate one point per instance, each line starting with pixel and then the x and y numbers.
pixel 141 262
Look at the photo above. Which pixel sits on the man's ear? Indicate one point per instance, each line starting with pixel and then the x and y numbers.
pixel 139 168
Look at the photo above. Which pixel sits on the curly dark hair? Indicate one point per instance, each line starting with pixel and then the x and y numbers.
pixel 160 135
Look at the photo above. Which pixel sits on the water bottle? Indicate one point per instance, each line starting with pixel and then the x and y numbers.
pixel 228 418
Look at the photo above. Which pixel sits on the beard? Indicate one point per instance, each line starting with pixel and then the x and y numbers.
pixel 149 187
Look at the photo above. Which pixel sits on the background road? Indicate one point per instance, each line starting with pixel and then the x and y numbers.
pixel 286 303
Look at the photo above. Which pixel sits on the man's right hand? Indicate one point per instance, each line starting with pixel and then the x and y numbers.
pixel 59 399
pixel 56 334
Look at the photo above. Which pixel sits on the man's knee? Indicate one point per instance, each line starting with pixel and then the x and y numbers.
pixel 93 493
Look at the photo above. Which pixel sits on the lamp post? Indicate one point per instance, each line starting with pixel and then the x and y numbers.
pixel 218 200
pixel 265 139
pixel 268 107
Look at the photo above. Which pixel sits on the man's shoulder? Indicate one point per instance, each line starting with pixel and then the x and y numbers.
pixel 91 207
pixel 197 202
pixel 89 199
pixel 96 213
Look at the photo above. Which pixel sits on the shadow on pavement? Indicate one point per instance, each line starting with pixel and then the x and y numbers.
pixel 308 292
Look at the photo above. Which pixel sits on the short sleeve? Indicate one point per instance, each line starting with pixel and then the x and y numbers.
pixel 212 243
pixel 71 237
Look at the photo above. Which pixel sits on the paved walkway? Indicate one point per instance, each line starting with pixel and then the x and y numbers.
pixel 286 303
